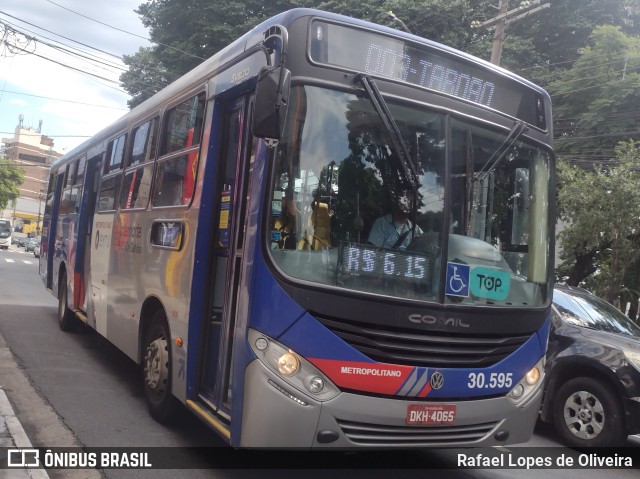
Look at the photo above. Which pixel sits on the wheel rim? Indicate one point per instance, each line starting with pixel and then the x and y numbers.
pixel 156 371
pixel 584 415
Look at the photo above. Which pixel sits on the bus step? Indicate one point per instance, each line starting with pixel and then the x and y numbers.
pixel 82 316
pixel 210 416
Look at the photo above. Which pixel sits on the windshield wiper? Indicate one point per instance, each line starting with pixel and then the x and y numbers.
pixel 408 167
pixel 492 163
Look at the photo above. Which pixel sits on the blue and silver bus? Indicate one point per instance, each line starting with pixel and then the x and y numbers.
pixel 331 234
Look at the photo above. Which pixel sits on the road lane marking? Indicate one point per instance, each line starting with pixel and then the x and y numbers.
pixel 9 260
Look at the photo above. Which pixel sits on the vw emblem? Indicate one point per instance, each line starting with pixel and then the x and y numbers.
pixel 437 380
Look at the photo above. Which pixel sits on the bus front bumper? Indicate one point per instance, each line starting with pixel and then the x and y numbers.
pixel 277 415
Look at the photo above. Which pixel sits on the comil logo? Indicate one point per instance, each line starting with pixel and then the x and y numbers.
pixel 23 458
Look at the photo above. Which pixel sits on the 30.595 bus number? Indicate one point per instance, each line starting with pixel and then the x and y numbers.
pixel 489 381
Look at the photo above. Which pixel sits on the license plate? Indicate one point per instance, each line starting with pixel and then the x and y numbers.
pixel 431 413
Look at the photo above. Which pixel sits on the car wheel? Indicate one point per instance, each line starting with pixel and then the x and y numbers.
pixel 587 413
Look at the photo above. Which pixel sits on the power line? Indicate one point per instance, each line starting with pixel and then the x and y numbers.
pixel 603 135
pixel 124 31
pixel 72 68
pixel 40 35
pixel 69 46
pixel 66 101
pixel 92 61
pixel 62 36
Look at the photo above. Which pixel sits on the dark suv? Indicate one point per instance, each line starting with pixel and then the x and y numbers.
pixel 592 388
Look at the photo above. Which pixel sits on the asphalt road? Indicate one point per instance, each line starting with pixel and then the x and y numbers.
pixel 78 390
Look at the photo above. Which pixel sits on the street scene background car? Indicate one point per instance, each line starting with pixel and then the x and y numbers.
pixel 593 371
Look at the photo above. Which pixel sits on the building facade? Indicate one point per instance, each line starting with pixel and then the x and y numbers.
pixel 33 152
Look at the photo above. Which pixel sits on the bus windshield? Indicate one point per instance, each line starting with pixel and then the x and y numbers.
pixel 5 228
pixel 342 213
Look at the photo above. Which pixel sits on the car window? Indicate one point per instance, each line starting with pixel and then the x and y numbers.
pixel 571 312
pixel 594 312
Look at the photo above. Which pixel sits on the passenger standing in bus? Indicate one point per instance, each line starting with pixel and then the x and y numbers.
pixel 395 230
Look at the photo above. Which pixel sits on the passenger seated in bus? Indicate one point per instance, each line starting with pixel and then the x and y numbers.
pixel 287 224
pixel 395 230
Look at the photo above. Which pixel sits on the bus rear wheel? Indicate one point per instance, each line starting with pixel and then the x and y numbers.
pixel 66 318
pixel 156 369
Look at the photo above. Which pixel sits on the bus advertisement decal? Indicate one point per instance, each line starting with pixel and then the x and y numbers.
pixel 395 380
pixel 223 221
pixel 490 283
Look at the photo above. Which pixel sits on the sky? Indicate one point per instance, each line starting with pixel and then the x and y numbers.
pixel 71 104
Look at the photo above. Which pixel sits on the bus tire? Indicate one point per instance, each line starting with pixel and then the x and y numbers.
pixel 156 369
pixel 66 318
pixel 586 413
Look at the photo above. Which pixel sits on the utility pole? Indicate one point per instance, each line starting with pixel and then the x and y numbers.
pixel 505 18
pixel 499 32
pixel 392 15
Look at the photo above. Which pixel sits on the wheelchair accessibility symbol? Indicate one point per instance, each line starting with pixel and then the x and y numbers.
pixel 457 280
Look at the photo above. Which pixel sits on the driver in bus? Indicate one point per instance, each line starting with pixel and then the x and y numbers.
pixel 395 230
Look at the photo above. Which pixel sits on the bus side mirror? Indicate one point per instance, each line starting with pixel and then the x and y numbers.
pixel 271 102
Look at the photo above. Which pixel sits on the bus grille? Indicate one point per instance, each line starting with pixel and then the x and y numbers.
pixel 398 436
pixel 425 348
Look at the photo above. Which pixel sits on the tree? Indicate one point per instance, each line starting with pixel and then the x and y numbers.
pixel 145 77
pixel 187 32
pixel 597 100
pixel 443 21
pixel 11 177
pixel 602 210
pixel 556 35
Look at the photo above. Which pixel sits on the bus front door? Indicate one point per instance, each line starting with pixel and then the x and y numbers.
pixel 228 239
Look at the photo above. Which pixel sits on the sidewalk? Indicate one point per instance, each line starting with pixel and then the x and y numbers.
pixel 12 435
pixel 23 409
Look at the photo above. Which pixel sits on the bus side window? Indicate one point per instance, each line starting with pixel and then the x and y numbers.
pixel 115 154
pixel 183 125
pixel 112 175
pixel 178 163
pixel 136 189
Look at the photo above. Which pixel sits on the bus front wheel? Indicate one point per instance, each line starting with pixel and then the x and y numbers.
pixel 66 318
pixel 156 369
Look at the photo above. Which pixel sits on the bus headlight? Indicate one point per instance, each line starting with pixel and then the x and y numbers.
pixel 291 367
pixel 528 384
pixel 288 364
pixel 532 376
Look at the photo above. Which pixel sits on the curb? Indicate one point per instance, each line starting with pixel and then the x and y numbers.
pixel 16 432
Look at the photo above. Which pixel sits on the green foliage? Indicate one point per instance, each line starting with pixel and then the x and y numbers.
pixel 11 177
pixel 601 208
pixel 595 102
pixel 539 46
pixel 187 32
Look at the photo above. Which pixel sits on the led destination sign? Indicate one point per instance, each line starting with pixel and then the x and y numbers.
pixel 410 65
pixel 424 66
pixel 371 262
